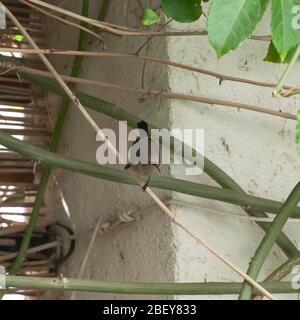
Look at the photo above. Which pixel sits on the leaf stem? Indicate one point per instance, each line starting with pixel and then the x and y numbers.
pixel 278 89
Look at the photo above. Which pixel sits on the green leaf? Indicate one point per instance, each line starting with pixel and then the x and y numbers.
pixel 273 55
pixel 298 132
pixel 285 31
pixel 18 37
pixel 150 17
pixel 230 22
pixel 182 10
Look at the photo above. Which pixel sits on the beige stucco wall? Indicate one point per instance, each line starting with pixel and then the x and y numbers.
pixel 256 150
pixel 142 251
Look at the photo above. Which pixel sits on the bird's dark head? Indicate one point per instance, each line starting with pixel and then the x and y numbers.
pixel 143 125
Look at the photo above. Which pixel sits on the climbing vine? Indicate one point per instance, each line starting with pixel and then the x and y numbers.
pixel 231 22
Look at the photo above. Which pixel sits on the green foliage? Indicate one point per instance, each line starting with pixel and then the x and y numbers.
pixel 285 36
pixel 18 37
pixel 182 10
pixel 150 17
pixel 273 55
pixel 232 22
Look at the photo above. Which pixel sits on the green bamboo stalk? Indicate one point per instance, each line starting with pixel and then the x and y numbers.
pixel 269 240
pixel 82 44
pixel 217 174
pixel 284 270
pixel 210 168
pixel 83 38
pixel 47 170
pixel 208 288
pixel 103 11
pixel 121 176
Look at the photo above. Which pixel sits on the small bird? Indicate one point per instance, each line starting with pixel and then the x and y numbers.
pixel 144 170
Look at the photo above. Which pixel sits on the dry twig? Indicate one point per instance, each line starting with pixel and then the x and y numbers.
pixel 124 31
pixel 62 20
pixel 168 94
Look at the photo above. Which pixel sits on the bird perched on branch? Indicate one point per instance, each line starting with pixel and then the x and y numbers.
pixel 144 170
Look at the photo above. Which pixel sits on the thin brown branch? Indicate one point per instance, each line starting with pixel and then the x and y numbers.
pixel 123 31
pixel 64 21
pixel 199 240
pixel 171 95
pixel 52 71
pixel 150 38
pixel 214 74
